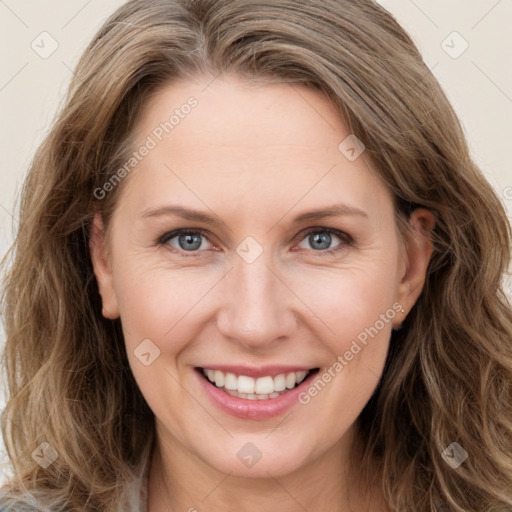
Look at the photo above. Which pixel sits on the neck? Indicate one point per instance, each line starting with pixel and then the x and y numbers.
pixel 179 480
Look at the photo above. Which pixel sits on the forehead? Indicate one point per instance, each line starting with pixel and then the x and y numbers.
pixel 279 142
pixel 231 112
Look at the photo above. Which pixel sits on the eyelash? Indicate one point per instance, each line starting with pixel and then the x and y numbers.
pixel 345 240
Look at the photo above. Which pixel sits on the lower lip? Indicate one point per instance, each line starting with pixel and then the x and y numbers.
pixel 253 409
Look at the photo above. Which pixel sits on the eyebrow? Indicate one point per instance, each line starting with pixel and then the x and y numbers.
pixel 336 210
pixel 184 213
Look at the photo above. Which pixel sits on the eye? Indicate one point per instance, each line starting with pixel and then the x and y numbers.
pixel 320 239
pixel 185 240
pixel 195 240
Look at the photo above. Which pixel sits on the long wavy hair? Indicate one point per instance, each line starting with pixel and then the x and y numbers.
pixel 448 375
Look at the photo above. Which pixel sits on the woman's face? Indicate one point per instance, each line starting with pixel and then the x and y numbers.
pixel 291 262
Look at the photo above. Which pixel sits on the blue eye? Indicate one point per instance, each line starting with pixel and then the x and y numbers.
pixel 187 240
pixel 193 240
pixel 321 238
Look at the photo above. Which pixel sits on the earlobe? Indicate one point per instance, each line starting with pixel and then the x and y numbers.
pixel 418 252
pixel 102 268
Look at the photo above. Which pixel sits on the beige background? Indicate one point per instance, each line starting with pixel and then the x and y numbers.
pixel 478 82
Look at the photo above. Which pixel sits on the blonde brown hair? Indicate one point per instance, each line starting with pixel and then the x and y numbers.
pixel 448 375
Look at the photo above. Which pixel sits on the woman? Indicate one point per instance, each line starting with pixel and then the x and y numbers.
pixel 257 269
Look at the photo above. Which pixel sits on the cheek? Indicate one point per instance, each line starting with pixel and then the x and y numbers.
pixel 358 309
pixel 349 300
pixel 158 310
pixel 153 302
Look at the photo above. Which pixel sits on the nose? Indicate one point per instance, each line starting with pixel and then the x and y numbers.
pixel 257 306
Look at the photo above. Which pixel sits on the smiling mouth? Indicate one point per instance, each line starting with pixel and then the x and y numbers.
pixel 249 388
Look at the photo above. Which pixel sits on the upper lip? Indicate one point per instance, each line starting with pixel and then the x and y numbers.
pixel 257 371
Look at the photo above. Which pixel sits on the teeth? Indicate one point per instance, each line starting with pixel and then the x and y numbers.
pixel 255 389
pixel 219 379
pixel 291 380
pixel 246 384
pixel 300 376
pixel 231 381
pixel 280 382
pixel 264 385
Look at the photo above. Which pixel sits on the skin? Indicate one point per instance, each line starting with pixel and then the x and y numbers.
pixel 255 156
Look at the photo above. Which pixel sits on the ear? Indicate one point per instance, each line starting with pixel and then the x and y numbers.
pixel 102 268
pixel 417 252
